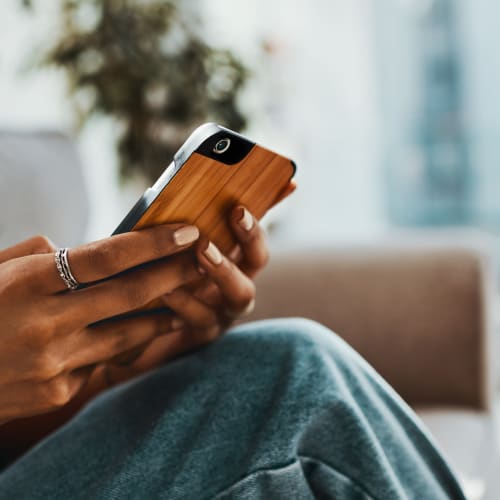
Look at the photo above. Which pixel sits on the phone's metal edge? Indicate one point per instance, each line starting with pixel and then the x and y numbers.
pixel 192 143
pixel 133 217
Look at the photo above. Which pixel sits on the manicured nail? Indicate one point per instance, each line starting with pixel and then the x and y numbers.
pixel 249 309
pixel 244 312
pixel 177 323
pixel 246 221
pixel 186 235
pixel 212 253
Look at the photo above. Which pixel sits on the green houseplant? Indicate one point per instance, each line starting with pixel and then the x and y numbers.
pixel 143 63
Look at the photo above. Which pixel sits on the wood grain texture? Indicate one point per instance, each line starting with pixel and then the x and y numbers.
pixel 204 191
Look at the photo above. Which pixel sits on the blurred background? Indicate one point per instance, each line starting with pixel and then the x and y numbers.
pixel 389 108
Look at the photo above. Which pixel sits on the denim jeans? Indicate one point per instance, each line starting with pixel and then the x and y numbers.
pixel 280 409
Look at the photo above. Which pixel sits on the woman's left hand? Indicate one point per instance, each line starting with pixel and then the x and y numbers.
pixel 203 314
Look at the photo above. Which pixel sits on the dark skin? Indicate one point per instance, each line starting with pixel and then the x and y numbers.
pixel 56 363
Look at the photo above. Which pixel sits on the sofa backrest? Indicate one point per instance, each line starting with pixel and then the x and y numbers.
pixel 418 316
pixel 42 189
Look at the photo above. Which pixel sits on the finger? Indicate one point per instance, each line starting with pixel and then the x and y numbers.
pixel 108 257
pixel 156 353
pixel 35 245
pixel 190 309
pixel 107 340
pixel 251 239
pixel 237 289
pixel 162 349
pixel 208 293
pixel 129 291
pixel 235 255
pixel 128 357
pixel 167 347
pixel 290 188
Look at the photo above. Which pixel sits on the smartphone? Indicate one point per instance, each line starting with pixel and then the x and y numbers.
pixel 213 171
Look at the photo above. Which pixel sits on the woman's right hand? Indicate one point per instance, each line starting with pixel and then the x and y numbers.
pixel 47 348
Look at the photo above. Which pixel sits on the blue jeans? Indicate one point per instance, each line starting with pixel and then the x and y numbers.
pixel 280 409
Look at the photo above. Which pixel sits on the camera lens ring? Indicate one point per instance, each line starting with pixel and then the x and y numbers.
pixel 222 146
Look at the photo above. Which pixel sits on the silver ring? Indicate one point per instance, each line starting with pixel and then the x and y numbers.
pixel 62 264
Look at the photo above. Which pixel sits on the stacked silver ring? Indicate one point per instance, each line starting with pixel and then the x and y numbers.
pixel 62 264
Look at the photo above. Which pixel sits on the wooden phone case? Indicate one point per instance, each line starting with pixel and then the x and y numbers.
pixel 204 191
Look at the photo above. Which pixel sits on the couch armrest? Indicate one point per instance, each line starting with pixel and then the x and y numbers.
pixel 419 317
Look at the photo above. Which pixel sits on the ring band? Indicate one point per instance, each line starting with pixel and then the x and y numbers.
pixel 62 264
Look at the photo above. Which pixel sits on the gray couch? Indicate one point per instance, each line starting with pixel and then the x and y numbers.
pixel 42 188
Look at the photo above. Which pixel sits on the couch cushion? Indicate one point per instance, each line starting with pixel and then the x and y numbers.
pixel 469 441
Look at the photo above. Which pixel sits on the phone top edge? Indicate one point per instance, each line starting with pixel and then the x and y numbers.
pixel 195 140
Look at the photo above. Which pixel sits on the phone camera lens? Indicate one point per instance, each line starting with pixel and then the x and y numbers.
pixel 222 146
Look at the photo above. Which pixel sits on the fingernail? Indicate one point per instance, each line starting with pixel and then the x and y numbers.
pixel 249 309
pixel 244 312
pixel 246 221
pixel 212 253
pixel 186 235
pixel 177 323
pixel 201 270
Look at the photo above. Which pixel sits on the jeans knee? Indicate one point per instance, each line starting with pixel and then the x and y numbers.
pixel 300 335
pixel 305 332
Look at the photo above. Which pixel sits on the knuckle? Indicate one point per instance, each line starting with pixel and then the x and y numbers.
pixel 42 244
pixel 57 391
pixel 46 366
